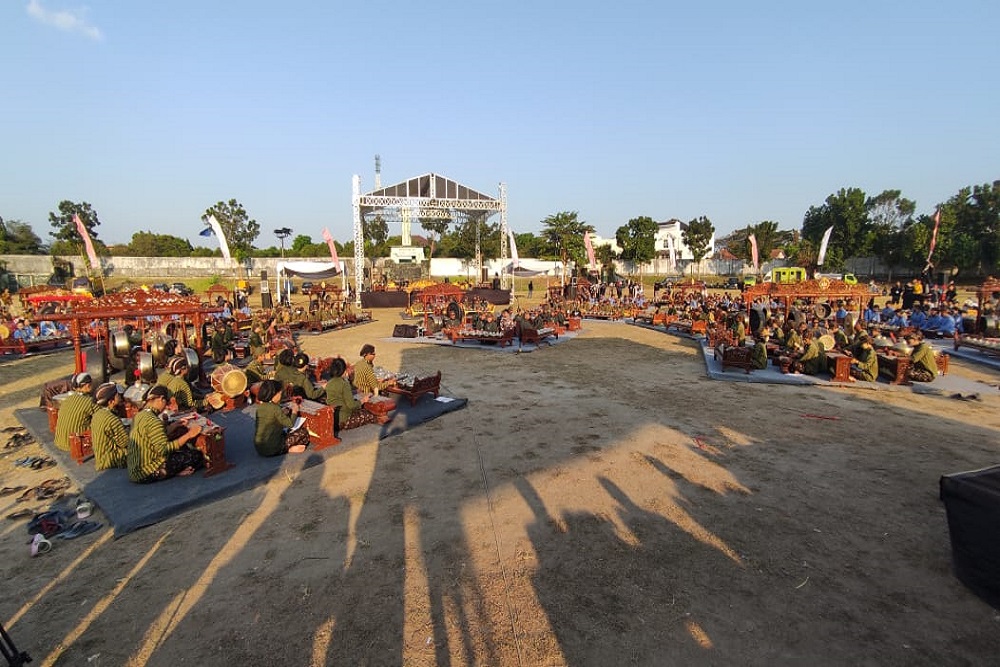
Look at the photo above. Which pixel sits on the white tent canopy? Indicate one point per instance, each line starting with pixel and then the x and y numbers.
pixel 307 270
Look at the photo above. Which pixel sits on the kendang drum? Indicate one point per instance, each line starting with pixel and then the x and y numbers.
pixel 229 380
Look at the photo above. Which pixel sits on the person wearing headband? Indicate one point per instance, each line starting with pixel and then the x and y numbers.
pixel 107 432
pixel 152 455
pixel 75 411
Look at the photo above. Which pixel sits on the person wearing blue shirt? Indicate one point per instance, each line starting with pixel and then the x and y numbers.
pixel 871 315
pixel 887 313
pixel 23 332
pixel 899 320
pixel 918 319
pixel 946 327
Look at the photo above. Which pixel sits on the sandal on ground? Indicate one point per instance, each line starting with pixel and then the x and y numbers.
pixel 12 429
pixel 80 528
pixel 43 463
pixel 9 490
pixel 40 545
pixel 22 513
pixel 84 508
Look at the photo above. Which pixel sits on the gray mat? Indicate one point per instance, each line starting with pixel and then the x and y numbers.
pixel 515 347
pixel 131 506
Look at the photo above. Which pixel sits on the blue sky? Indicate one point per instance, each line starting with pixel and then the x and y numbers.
pixel 738 111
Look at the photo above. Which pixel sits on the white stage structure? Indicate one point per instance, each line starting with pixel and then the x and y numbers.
pixel 427 197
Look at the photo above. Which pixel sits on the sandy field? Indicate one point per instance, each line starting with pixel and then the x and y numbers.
pixel 599 502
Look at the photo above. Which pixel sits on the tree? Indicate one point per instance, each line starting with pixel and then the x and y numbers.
pixel 971 220
pixel 847 213
pixel 697 237
pixel 888 214
pixel 300 244
pixel 148 244
pixel 375 232
pixel 768 236
pixel 240 230
pixel 606 257
pixel 563 233
pixel 17 238
pixel 637 239
pixel 436 228
pixel 67 239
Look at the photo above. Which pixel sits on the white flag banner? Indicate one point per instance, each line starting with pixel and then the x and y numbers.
pixel 513 249
pixel 753 252
pixel 823 245
pixel 223 244
pixel 673 253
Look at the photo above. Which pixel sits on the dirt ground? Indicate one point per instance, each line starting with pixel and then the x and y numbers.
pixel 599 502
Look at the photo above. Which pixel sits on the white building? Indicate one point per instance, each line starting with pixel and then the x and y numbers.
pixel 671 229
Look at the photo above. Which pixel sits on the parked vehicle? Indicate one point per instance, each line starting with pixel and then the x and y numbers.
pixel 306 287
pixel 787 274
pixel 733 283
pixel 161 287
pixel 181 289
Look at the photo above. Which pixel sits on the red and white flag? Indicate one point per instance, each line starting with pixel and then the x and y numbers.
pixel 590 251
pixel 753 252
pixel 822 246
pixel 937 223
pixel 333 247
pixel 82 229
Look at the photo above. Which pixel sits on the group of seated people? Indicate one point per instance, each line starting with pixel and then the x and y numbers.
pixel 803 348
pixel 156 447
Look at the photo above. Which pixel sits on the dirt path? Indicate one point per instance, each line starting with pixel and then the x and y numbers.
pixel 600 502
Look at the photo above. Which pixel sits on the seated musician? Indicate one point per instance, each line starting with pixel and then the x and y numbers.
pixel 923 365
pixel 152 455
pixel 864 366
pixel 272 436
pixel 256 371
pixel 258 346
pixel 218 343
pixel 364 373
pixel 339 394
pixel 75 411
pixel 812 360
pixel 289 370
pixel 793 340
pixel 758 358
pixel 181 395
pixel 108 436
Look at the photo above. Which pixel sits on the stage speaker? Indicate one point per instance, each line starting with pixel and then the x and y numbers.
pixel 265 298
pixel 404 331
pixel 972 503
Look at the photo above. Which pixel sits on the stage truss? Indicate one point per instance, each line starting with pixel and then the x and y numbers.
pixel 428 197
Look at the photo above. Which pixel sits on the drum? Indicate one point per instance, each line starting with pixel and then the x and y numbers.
pixel 758 315
pixel 455 311
pixel 849 321
pixel 134 394
pixel 229 380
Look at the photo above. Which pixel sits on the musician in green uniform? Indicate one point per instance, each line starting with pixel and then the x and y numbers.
pixel 152 455
pixel 271 435
pixel 923 365
pixel 339 394
pixel 75 411
pixel 758 358
pixel 289 370
pixel 864 366
pixel 107 432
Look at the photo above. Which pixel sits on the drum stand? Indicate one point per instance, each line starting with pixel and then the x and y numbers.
pixel 14 657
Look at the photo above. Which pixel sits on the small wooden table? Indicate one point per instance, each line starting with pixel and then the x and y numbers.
pixel 839 365
pixel 211 442
pixel 424 385
pixel 319 422
pixel 894 367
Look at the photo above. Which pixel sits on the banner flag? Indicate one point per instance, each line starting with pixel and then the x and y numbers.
pixel 590 251
pixel 937 223
pixel 673 253
pixel 82 229
pixel 333 247
pixel 223 244
pixel 753 252
pixel 513 249
pixel 822 246
pixel 206 232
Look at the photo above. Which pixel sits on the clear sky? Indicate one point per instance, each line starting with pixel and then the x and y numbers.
pixel 153 111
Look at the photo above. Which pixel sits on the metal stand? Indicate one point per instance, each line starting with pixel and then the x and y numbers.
pixel 14 657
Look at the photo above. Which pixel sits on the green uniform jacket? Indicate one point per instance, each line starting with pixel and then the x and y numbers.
pixel 269 436
pixel 296 378
pixel 148 446
pixel 813 360
pixel 74 417
pixel 922 355
pixel 110 440
pixel 866 362
pixel 180 390
pixel 758 358
pixel 339 394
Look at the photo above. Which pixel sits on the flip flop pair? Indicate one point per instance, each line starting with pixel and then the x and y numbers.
pixel 12 429
pixel 19 440
pixel 43 463
pixel 80 528
pixel 22 513
pixel 10 490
